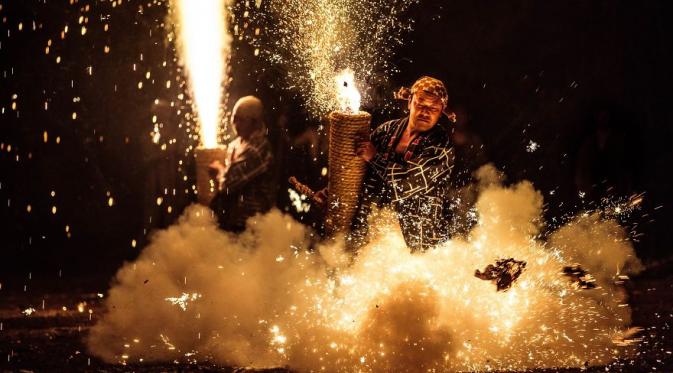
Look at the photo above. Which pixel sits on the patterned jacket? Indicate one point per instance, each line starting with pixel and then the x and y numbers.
pixel 248 186
pixel 414 183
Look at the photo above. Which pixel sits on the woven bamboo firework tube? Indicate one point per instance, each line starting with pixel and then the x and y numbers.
pixel 346 169
pixel 205 185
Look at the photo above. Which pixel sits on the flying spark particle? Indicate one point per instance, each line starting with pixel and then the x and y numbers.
pixel 532 146
pixel 29 311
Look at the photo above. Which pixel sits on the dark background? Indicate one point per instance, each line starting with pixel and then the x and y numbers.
pixel 523 70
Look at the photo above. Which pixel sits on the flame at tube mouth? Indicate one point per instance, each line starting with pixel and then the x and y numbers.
pixel 348 95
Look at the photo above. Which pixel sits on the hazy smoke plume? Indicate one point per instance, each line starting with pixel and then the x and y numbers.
pixel 262 299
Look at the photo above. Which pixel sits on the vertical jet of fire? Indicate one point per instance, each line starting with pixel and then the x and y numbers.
pixel 203 43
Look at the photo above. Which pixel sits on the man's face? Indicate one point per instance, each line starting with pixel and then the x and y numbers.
pixel 424 111
pixel 243 125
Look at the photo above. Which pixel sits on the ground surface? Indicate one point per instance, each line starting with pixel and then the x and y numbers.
pixel 49 337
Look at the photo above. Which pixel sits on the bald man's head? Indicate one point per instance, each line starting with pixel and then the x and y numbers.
pixel 248 116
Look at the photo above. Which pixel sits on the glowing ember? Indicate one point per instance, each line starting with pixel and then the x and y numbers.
pixel 203 44
pixel 28 311
pixel 299 201
pixel 183 300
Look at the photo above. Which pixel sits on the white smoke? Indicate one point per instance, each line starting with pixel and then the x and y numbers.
pixel 261 299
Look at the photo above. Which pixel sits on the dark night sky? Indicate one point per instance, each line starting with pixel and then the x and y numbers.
pixel 524 70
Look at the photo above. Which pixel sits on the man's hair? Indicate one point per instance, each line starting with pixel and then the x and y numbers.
pixel 251 108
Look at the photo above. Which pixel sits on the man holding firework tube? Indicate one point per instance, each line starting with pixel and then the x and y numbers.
pixel 410 162
pixel 245 179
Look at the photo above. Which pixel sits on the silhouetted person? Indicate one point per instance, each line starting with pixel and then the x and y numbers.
pixel 302 155
pixel 246 179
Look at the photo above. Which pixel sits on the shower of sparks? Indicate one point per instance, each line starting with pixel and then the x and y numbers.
pixel 621 207
pixel 314 40
pixel 203 45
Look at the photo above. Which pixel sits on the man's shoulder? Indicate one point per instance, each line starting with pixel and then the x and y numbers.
pixel 393 123
pixel 260 138
pixel 257 144
pixel 398 121
pixel 236 141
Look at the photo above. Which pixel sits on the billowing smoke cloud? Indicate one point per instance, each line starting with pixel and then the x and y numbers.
pixel 262 299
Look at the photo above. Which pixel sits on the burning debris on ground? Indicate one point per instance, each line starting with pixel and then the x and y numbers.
pixel 579 277
pixel 503 273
